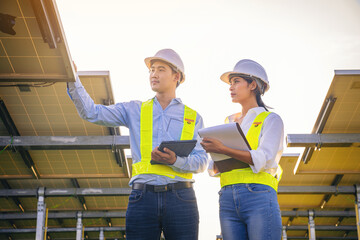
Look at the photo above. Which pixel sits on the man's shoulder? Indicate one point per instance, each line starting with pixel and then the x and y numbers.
pixel 131 102
pixel 192 109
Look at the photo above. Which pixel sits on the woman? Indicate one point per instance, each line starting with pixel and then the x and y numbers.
pixel 248 202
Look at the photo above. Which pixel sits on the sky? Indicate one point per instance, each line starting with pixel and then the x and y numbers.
pixel 299 43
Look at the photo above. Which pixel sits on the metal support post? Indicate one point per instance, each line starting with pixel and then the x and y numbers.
pixel 79 226
pixel 101 235
pixel 284 235
pixel 311 226
pixel 41 208
pixel 357 209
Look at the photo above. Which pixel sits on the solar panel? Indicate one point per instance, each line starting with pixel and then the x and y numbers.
pixel 38 50
pixel 327 166
pixel 48 111
pixel 343 117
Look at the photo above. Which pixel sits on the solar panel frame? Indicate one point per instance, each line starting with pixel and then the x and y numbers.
pixel 29 55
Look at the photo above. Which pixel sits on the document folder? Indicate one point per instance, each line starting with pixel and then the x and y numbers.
pixel 232 136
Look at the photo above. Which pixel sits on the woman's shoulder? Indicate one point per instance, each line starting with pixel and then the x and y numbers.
pixel 232 117
pixel 274 118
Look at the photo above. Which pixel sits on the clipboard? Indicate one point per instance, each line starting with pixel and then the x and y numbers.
pixel 181 148
pixel 231 135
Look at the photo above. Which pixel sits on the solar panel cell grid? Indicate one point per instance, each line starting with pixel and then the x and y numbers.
pixel 26 53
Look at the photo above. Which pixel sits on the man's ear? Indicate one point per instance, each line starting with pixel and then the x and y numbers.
pixel 177 76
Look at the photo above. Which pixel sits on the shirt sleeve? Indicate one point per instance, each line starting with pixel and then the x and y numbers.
pixel 111 116
pixel 211 170
pixel 270 145
pixel 197 161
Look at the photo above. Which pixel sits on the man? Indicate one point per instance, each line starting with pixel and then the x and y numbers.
pixel 162 197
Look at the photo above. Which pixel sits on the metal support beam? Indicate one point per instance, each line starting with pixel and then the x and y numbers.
pixel 76 184
pixel 325 238
pixel 101 235
pixel 122 229
pixel 49 192
pixel 12 224
pixel 108 220
pixel 47 24
pixel 122 214
pixel 311 226
pixel 115 131
pixel 13 77
pixel 67 176
pixel 335 182
pixel 15 199
pixel 316 213
pixel 119 153
pixel 323 140
pixel 284 235
pixel 67 215
pixel 54 192
pixel 318 128
pixel 291 218
pixel 322 228
pixel 12 130
pixel 316 190
pixel 87 229
pixel 79 227
pixel 66 142
pixel 41 210
pixel 357 210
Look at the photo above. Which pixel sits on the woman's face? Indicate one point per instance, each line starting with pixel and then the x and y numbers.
pixel 240 89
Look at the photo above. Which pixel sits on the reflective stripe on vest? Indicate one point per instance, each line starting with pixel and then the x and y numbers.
pixel 246 175
pixel 146 137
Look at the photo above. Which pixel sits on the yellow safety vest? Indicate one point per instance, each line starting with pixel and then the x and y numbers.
pixel 246 175
pixel 146 146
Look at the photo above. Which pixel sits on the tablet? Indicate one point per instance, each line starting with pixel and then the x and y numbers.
pixel 181 148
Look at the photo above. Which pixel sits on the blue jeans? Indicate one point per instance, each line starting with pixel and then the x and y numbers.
pixel 175 213
pixel 249 212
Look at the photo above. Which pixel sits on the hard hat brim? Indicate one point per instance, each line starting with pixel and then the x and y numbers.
pixel 148 64
pixel 225 78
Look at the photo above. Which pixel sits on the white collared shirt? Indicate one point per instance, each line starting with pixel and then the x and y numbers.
pixel 267 156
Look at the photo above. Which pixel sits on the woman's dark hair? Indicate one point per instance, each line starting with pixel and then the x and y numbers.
pixel 257 92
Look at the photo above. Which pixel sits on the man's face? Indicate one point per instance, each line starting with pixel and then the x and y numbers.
pixel 162 78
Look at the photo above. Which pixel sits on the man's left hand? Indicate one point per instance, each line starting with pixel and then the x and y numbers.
pixel 166 157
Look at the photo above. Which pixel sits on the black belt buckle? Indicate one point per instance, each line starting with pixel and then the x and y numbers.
pixel 160 188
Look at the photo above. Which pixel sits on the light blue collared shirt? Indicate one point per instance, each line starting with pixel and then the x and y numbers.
pixel 167 126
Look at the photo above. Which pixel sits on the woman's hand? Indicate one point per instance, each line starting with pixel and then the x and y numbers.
pixel 212 145
pixel 215 146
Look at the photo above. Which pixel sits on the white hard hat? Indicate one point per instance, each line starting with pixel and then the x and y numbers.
pixel 251 69
pixel 171 57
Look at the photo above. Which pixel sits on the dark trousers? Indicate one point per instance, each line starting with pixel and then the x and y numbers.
pixel 173 212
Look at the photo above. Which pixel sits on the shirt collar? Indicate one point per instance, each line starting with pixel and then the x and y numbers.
pixel 256 110
pixel 173 101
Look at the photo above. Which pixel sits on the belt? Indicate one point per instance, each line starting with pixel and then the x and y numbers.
pixel 162 188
